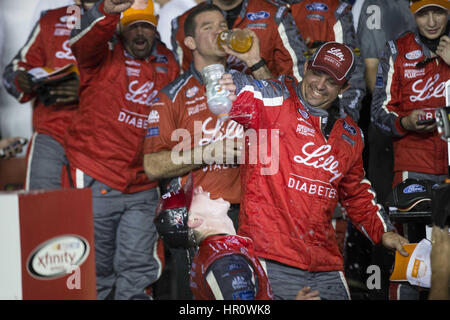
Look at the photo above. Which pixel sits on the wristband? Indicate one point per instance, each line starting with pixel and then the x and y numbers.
pixel 257 65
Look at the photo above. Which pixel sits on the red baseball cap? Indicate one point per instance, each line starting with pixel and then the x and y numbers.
pixel 336 59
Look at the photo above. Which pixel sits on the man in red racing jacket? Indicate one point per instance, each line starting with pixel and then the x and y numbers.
pixel 224 265
pixel 120 74
pixel 280 44
pixel 288 206
pixel 331 20
pixel 54 104
pixel 410 84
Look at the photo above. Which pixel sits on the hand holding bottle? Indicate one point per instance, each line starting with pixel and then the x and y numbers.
pixel 250 57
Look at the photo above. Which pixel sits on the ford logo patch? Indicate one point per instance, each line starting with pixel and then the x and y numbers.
pixel 349 128
pixel 414 188
pixel 258 15
pixel 317 6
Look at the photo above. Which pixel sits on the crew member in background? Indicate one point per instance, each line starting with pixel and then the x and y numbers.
pixel 280 43
pixel 120 75
pixel 410 85
pixel 46 47
pixel 331 20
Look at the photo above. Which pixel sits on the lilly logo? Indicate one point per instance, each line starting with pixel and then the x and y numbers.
pixel 414 188
pixel 258 15
pixel 337 52
pixel 53 258
pixel 314 156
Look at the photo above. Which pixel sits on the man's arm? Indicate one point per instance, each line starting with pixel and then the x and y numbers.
pixel 371 72
pixel 175 163
pixel 252 57
pixel 168 149
pixel 386 98
pixel 371 39
pixel 97 26
pixel 220 280
pixel 359 200
pixel 289 46
pixel 182 54
pixel 159 165
pixel 440 264
pixel 16 79
pixel 443 49
pixel 345 33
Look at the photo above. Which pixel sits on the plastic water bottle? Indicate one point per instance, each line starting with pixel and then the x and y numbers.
pixel 239 40
pixel 217 98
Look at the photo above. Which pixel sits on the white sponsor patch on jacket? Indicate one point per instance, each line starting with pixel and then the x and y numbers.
pixel 153 117
pixel 314 156
pixel 414 73
pixel 133 119
pixel 142 95
pixel 304 130
pixel 427 89
pixel 413 55
pixel 197 108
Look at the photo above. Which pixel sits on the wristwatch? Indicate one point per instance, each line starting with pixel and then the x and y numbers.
pixel 257 65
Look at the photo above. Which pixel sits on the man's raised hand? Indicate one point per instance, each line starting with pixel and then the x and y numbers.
pixel 117 6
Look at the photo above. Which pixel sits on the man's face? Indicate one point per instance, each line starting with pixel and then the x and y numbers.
pixel 319 89
pixel 138 39
pixel 208 26
pixel 208 216
pixel 431 21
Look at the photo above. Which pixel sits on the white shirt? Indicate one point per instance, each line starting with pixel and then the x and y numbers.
pixel 170 10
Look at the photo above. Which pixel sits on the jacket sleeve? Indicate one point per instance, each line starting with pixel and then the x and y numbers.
pixel 182 54
pixel 90 42
pixel 359 201
pixel 31 55
pixel 386 98
pixel 344 32
pixel 288 52
pixel 255 99
pixel 159 132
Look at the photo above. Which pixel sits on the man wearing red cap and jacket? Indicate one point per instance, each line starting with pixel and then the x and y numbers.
pixel 287 212
pixel 331 20
pixel 120 75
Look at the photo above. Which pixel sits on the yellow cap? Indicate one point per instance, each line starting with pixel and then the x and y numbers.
pixel 417 5
pixel 140 11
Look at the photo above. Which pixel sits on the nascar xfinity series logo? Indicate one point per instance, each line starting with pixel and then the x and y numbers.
pixel 54 257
